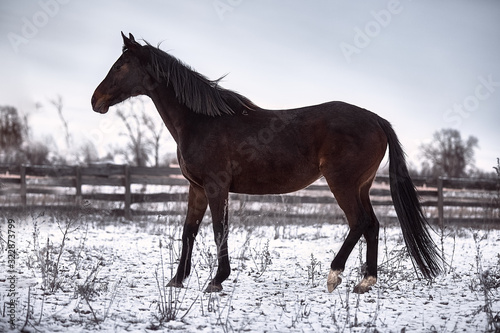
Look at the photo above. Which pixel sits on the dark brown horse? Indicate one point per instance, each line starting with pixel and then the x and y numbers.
pixel 225 144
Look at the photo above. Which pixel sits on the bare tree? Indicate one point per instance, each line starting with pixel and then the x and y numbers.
pixel 37 153
pixel 12 135
pixel 143 132
pixel 88 153
pixel 16 144
pixel 156 131
pixel 138 148
pixel 11 128
pixel 58 104
pixel 448 155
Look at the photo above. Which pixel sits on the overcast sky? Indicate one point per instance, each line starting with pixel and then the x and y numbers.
pixel 422 65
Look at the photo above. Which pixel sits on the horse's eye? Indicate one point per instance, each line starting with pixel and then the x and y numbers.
pixel 117 67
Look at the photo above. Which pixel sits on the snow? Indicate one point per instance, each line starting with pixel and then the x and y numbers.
pixel 277 284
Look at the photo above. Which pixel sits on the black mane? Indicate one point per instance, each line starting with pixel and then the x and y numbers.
pixel 201 95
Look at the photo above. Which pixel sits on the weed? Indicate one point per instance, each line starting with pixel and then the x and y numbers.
pixel 167 301
pixel 262 259
pixel 491 277
pixel 302 311
pixel 488 281
pixel 29 313
pixel 249 306
pixel 313 269
pixel 91 289
pixel 75 255
pixel 223 309
pixel 49 256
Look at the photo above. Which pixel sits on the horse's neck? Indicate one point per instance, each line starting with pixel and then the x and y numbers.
pixel 174 114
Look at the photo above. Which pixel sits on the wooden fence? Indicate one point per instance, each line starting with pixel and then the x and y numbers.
pixel 128 186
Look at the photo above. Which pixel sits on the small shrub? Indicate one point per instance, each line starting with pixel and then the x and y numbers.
pixel 92 288
pixel 262 259
pixel 313 269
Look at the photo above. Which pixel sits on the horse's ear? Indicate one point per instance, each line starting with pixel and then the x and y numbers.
pixel 129 43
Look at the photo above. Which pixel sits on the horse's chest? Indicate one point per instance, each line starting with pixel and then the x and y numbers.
pixel 191 171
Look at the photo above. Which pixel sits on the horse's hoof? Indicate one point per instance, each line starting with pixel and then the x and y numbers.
pixel 333 280
pixel 175 284
pixel 213 288
pixel 365 285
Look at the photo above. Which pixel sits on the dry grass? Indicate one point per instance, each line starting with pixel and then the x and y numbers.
pixel 68 277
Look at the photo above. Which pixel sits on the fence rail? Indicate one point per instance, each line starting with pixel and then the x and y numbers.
pixel 36 186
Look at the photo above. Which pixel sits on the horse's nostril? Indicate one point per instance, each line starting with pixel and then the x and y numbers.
pixel 92 101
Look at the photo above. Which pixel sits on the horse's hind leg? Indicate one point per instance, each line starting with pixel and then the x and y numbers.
pixel 371 236
pixel 338 264
pixel 355 203
pixel 350 203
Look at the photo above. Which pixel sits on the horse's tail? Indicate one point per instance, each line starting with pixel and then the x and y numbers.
pixel 420 245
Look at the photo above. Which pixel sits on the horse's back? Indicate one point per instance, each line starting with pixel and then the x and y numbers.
pixel 285 150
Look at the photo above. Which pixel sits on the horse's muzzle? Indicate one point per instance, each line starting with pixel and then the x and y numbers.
pixel 99 104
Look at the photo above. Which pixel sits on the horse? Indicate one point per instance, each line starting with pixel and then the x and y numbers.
pixel 226 143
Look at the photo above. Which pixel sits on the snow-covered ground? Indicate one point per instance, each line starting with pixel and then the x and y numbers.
pixel 110 276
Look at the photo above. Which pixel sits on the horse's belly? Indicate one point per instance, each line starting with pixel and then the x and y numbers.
pixel 273 183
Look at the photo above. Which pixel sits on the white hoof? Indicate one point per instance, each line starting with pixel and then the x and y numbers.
pixel 333 280
pixel 365 285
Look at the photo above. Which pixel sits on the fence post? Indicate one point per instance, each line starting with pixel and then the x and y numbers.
pixel 128 194
pixel 78 185
pixel 23 185
pixel 440 202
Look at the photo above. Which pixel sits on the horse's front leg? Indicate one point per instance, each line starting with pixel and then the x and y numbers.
pixel 218 207
pixel 197 205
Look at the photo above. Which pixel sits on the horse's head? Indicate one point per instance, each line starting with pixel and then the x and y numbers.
pixel 126 78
